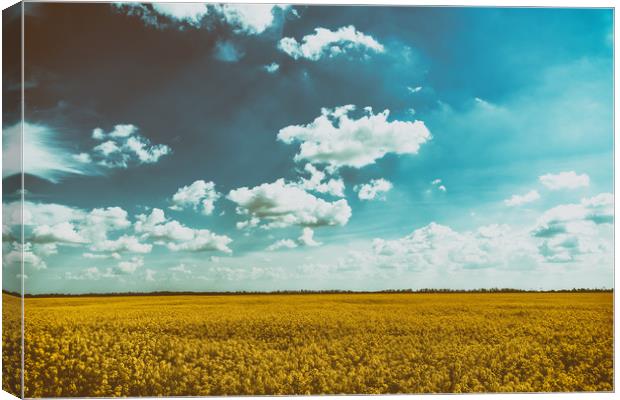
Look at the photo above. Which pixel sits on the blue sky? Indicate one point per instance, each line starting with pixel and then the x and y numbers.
pixel 239 147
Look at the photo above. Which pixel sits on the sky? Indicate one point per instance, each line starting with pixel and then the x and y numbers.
pixel 228 147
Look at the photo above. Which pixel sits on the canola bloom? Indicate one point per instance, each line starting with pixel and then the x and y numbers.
pixel 318 343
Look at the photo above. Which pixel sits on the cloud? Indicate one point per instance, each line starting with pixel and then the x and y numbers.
pixel 129 267
pixel 44 155
pixel 177 237
pixel 90 274
pixel 63 232
pixel 115 256
pixel 565 180
pixel 272 68
pixel 318 182
pixel 200 195
pixel 440 248
pixel 227 51
pixel 517 200
pixel 370 190
pixel 280 204
pixel 307 238
pixel 250 19
pixel 191 13
pixel 284 243
pixel 326 43
pixel 124 243
pixel 337 140
pixel 124 146
pixel 24 252
pixel 570 230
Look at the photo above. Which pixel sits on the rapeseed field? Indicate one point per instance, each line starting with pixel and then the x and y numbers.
pixel 317 343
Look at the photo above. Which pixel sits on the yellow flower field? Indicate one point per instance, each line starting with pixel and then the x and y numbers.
pixel 316 343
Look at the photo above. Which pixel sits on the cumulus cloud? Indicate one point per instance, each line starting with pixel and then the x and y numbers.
pixel 90 274
pixel 191 13
pixel 571 230
pixel 248 19
pixel 18 253
pixel 124 243
pixel 372 189
pixel 326 43
pixel 307 238
pixel 63 232
pixel 177 237
pixel 130 266
pixel 517 200
pixel 200 195
pixel 439 247
pixel 280 204
pixel 45 156
pixel 284 243
pixel 92 256
pixel 318 182
pixel 123 146
pixel 438 185
pixel 337 140
pixel 565 180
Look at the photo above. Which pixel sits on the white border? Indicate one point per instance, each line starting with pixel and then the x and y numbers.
pixel 475 3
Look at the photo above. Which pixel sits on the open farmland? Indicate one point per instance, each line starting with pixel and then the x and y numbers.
pixel 318 343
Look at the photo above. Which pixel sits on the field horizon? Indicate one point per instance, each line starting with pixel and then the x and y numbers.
pixel 310 292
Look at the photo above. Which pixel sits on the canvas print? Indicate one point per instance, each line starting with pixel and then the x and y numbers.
pixel 205 199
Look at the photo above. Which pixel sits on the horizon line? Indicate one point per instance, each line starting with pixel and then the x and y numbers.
pixel 307 291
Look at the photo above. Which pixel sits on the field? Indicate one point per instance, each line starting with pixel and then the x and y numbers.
pixel 317 343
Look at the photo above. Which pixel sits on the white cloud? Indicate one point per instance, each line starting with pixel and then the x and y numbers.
pixel 90 274
pixel 19 253
pixel 45 156
pixel 517 200
pixel 326 43
pixel 284 243
pixel 129 267
pixel 307 238
pixel 565 180
pixel 569 231
pixel 63 232
pixel 146 152
pixel 436 182
pixel 178 237
pixel 318 182
pixel 191 13
pixel 280 204
pixel 124 145
pixel 370 190
pixel 199 195
pixel 92 256
pixel 124 243
pixel 272 68
pixel 439 248
pixel 337 140
pixel 442 188
pixel 251 19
